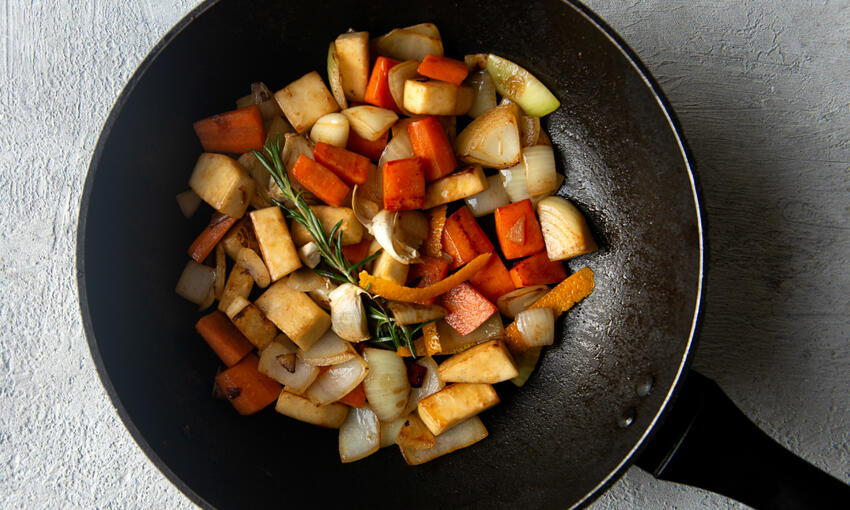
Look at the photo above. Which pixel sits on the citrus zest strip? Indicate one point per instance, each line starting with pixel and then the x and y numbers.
pixel 391 290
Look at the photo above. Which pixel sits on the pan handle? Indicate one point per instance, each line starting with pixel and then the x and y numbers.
pixel 707 442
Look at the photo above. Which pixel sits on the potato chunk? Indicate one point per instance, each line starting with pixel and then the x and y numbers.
pixel 279 252
pixel 294 313
pixel 254 325
pixel 221 182
pixel 454 404
pixel 352 53
pixel 300 408
pixel 430 97
pixel 352 230
pixel 240 236
pixel 462 184
pixel 489 363
pixel 305 100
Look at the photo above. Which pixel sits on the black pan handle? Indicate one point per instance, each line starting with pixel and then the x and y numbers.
pixel 707 442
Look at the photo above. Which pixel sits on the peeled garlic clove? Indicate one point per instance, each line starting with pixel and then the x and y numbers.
pixel 348 315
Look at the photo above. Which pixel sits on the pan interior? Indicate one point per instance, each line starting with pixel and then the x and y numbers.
pixel 552 442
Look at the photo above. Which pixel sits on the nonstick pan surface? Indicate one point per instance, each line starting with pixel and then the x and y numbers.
pixel 598 391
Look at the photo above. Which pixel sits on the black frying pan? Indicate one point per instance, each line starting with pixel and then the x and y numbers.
pixel 598 394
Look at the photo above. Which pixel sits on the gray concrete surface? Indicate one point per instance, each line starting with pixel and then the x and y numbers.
pixel 761 87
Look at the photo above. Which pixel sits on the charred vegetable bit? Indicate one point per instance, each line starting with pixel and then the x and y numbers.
pixel 386 331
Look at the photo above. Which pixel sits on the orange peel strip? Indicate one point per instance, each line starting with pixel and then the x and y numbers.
pixel 432 339
pixel 560 299
pixel 391 290
pixel 418 344
pixel 436 221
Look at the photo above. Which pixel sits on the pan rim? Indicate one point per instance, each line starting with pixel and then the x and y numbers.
pixel 91 174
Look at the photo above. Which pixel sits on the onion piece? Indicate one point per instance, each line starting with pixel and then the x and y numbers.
pixel 516 301
pixel 309 254
pixel 408 44
pixel 390 430
pixel 536 326
pixel 529 130
pixel 328 350
pixel 413 313
pixel 220 270
pixel 399 147
pixel 322 294
pixel 348 316
pixel 331 129
pixel 541 176
pixel 430 385
pixel 337 381
pixel 386 385
pixel 484 93
pixel 196 283
pixel 491 140
pixel 513 182
pixel 370 122
pixel 249 259
pixel 463 434
pixel 367 198
pixel 565 231
pixel 189 202
pixel 359 435
pixel 517 84
pixel 295 381
pixel 335 78
pixel 385 232
pixel 452 342
pixel 525 362
pixel 397 76
pixel 487 201
pixel 208 302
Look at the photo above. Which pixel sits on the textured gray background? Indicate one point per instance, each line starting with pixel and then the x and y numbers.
pixel 760 86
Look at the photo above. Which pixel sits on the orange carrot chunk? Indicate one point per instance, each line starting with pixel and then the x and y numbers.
pixel 430 142
pixel 443 69
pixel 354 253
pixel 246 388
pixel 203 245
pixel 348 166
pixel 355 397
pixel 378 89
pixel 518 230
pixel 463 238
pixel 364 147
pixel 223 337
pixel 494 280
pixel 320 181
pixel 404 184
pixel 467 308
pixel 537 270
pixel 234 132
pixel 428 272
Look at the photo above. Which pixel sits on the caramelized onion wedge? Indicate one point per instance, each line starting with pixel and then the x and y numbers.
pixel 370 122
pixel 460 436
pixel 536 327
pixel 359 435
pixel 329 350
pixel 430 385
pixel 491 140
pixel 189 201
pixel 337 381
pixel 295 381
pixel 565 230
pixel 397 76
pixel 386 385
pixel 390 430
pixel 515 301
pixel 518 85
pixel 525 363
pixel 335 78
pixel 196 283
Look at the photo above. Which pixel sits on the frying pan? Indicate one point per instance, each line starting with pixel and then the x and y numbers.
pixel 600 393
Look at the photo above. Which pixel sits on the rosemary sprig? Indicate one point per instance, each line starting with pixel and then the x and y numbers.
pixel 387 331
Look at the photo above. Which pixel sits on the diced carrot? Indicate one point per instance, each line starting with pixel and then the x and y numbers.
pixel 355 397
pixel 354 253
pixel 494 280
pixel 223 337
pixel 430 142
pixel 246 388
pixel 234 132
pixel 463 238
pixel 378 89
pixel 428 272
pixel 364 147
pixel 467 308
pixel 433 246
pixel 443 69
pixel 320 181
pixel 537 270
pixel 203 245
pixel 404 184
pixel 518 230
pixel 348 166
